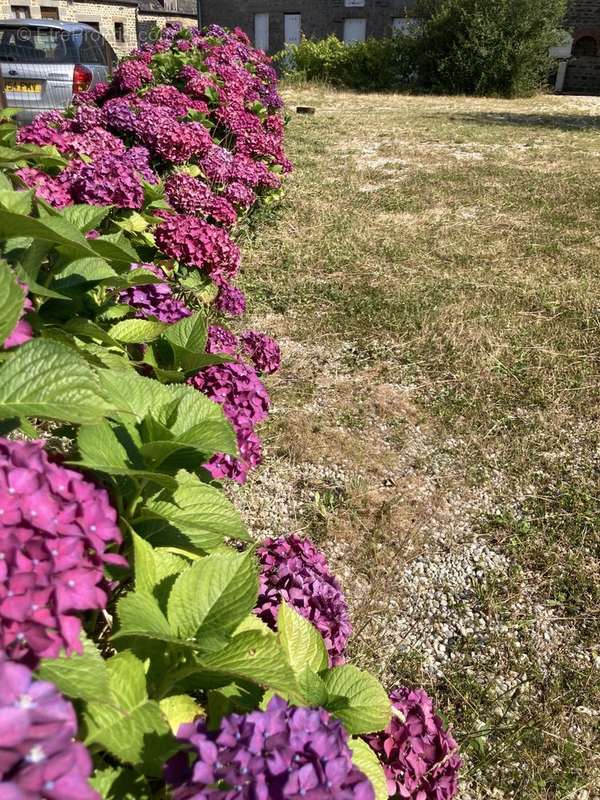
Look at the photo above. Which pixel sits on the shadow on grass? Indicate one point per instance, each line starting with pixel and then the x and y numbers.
pixel 565 122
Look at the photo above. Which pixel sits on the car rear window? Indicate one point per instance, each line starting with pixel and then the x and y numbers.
pixel 30 45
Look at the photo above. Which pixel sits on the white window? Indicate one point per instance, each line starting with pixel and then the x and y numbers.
pixel 292 28
pixel 170 5
pixel 354 3
pixel 405 26
pixel 355 30
pixel 261 31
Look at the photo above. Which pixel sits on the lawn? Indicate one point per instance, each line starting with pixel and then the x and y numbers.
pixel 433 275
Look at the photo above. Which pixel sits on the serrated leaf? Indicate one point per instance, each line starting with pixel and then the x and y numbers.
pixel 367 762
pixel 81 271
pixel 209 599
pixel 300 641
pixel 358 699
pixel 86 218
pixel 201 513
pixel 11 302
pixel 136 331
pixel 180 709
pixel 140 615
pixel 49 380
pixel 17 202
pixel 256 657
pixel 49 229
pixel 115 248
pixel 120 783
pixel 109 448
pixel 82 677
pixel 146 576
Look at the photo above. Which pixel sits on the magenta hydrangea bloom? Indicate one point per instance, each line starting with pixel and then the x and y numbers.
pixel 109 180
pixel 55 528
pixel 283 753
pixel 198 244
pixel 22 331
pixel 165 137
pixel 221 340
pixel 294 571
pixel 86 118
pixel 240 195
pixel 154 299
pixel 131 75
pixel 38 758
pixel 263 351
pixel 188 195
pixel 237 388
pixel 419 756
pixel 48 128
pixel 230 300
pixel 119 115
pixel 223 465
pixel 55 191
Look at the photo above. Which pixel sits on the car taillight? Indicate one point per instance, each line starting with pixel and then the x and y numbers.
pixel 82 79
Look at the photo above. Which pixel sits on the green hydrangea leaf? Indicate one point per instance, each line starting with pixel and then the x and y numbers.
pixel 49 380
pixel 211 597
pixel 300 641
pixel 82 677
pixel 367 762
pixel 11 301
pixel 179 709
pixel 358 699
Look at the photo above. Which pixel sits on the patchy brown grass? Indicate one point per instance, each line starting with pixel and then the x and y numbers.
pixel 434 276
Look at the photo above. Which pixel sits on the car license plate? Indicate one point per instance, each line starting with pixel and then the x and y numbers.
pixel 23 87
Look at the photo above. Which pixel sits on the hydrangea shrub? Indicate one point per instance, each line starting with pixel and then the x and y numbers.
pixel 139 626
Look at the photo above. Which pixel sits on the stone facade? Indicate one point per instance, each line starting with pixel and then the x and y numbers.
pixel 122 22
pixel 317 19
pixel 582 75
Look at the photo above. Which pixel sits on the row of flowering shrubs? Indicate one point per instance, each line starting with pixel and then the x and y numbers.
pixel 147 648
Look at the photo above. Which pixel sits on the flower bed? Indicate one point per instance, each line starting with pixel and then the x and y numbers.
pixel 135 612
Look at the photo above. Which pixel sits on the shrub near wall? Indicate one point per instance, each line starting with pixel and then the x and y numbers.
pixel 374 65
pixel 147 650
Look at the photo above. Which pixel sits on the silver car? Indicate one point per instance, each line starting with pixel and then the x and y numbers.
pixel 43 63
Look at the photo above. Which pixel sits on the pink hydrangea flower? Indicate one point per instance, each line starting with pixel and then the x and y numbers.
pixel 221 340
pixel 263 351
pixel 131 75
pixel 23 331
pixel 230 300
pixel 55 531
pixel 294 571
pixel 39 759
pixel 196 243
pixel 189 195
pixel 419 756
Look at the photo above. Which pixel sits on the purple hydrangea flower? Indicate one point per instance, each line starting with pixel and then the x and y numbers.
pixel 173 141
pixel 188 195
pixel 237 388
pixel 240 195
pixel 119 115
pixel 419 756
pixel 294 571
pixel 281 753
pixel 55 528
pixel 109 180
pixel 55 191
pixel 230 300
pixel 263 351
pixel 86 117
pixel 132 75
pixel 22 331
pixel 236 469
pixel 47 128
pixel 38 757
pixel 221 340
pixel 154 299
pixel 198 244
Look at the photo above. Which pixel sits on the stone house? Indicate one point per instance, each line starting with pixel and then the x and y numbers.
pixel 579 71
pixel 122 22
pixel 273 23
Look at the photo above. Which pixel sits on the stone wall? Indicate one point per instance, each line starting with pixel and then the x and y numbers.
pixel 319 19
pixel 110 16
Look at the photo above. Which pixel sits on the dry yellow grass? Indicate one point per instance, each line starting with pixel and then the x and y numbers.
pixel 434 275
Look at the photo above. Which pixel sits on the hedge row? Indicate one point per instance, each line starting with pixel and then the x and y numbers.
pixel 148 649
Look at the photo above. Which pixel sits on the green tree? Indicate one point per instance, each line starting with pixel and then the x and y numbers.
pixel 487 46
